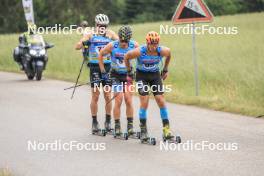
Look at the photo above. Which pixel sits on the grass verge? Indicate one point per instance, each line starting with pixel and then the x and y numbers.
pixel 231 67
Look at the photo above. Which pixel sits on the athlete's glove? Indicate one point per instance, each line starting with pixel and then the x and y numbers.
pixel 131 74
pixel 105 76
pixel 164 74
pixel 86 44
pixel 85 49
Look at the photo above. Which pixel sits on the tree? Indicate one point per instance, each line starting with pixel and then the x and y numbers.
pixel 11 16
pixel 68 12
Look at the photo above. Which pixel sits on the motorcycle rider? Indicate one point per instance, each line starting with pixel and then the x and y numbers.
pixel 24 40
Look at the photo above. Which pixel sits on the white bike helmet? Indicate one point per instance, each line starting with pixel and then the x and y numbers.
pixel 101 19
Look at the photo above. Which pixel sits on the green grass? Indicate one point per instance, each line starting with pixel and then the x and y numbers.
pixel 5 172
pixel 231 67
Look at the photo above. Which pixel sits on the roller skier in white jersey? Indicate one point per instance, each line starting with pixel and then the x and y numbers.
pixel 96 41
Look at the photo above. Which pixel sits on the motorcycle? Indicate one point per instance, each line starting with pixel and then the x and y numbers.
pixel 33 57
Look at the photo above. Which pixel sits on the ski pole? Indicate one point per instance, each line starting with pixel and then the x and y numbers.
pixel 115 96
pixel 82 84
pixel 75 86
pixel 84 59
pixel 112 99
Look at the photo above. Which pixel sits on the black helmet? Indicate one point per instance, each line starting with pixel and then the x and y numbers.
pixel 125 33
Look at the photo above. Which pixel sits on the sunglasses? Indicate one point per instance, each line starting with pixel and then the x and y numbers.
pixel 101 26
pixel 124 41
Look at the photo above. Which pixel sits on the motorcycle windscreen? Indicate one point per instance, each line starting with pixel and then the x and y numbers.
pixel 36 40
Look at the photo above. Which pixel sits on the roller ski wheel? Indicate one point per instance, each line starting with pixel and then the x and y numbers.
pixel 148 140
pixel 178 139
pixel 138 135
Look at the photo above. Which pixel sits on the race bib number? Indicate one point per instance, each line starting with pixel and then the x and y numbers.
pixel 149 66
pixel 98 48
pixel 120 62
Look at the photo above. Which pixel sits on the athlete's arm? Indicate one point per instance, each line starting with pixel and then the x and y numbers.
pixel 112 35
pixel 79 45
pixel 131 55
pixel 106 50
pixel 165 52
pixel 136 44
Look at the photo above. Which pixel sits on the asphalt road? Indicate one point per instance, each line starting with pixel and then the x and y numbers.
pixel 42 112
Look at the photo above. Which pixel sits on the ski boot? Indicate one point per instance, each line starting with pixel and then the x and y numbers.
pixel 144 137
pixel 130 131
pixel 108 128
pixel 96 130
pixel 168 137
pixel 118 133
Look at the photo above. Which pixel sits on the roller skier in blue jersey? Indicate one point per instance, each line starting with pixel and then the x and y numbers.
pixel 96 41
pixel 148 74
pixel 121 78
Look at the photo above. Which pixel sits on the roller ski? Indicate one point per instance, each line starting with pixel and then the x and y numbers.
pixel 144 138
pixel 168 137
pixel 131 133
pixel 134 135
pixel 117 133
pixel 97 131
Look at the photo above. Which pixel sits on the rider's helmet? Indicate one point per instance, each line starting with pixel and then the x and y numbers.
pixel 84 24
pixel 101 19
pixel 152 38
pixel 125 33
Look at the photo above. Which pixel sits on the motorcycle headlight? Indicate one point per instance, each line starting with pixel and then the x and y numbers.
pixel 32 52
pixel 42 52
